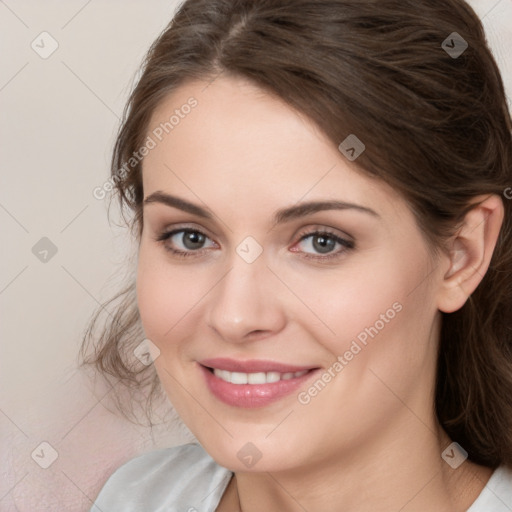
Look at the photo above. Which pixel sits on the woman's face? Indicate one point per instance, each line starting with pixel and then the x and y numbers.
pixel 270 287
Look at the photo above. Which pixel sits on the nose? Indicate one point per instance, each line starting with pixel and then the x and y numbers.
pixel 244 305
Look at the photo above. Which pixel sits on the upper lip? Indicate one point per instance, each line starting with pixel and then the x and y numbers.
pixel 252 365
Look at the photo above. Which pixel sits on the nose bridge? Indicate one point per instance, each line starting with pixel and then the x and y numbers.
pixel 243 301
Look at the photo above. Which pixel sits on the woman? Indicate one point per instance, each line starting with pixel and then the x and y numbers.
pixel 318 193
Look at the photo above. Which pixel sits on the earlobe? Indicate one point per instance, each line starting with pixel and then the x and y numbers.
pixel 462 258
pixel 470 252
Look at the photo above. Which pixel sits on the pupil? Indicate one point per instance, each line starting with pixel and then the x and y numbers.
pixel 325 244
pixel 195 239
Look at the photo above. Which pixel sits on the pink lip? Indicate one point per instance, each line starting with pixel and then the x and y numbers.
pixel 251 366
pixel 252 395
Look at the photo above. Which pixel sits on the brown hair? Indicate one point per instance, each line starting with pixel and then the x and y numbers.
pixel 436 128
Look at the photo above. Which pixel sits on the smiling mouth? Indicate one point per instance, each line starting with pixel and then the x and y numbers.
pixel 253 383
pixel 256 377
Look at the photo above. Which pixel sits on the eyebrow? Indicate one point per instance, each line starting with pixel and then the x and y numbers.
pixel 281 216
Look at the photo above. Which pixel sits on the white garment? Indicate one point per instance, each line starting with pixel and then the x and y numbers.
pixel 186 479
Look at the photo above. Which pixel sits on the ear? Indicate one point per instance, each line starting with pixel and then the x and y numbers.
pixel 470 251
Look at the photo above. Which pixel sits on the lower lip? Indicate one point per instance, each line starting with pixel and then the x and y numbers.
pixel 252 395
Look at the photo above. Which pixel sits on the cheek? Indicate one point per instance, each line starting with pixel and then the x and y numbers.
pixel 373 358
pixel 165 297
pixel 383 327
pixel 377 303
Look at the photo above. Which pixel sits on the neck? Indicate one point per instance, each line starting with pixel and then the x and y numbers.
pixel 403 473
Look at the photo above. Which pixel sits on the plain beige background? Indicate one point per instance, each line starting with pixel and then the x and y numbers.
pixel 59 116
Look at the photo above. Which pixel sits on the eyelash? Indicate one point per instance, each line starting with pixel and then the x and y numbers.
pixel 347 244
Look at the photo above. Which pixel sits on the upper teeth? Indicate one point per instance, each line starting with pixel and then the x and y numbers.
pixel 256 378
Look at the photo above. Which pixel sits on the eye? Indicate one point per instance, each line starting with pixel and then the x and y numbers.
pixel 324 242
pixel 188 242
pixel 191 241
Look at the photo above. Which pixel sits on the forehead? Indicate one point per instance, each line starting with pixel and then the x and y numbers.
pixel 245 145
